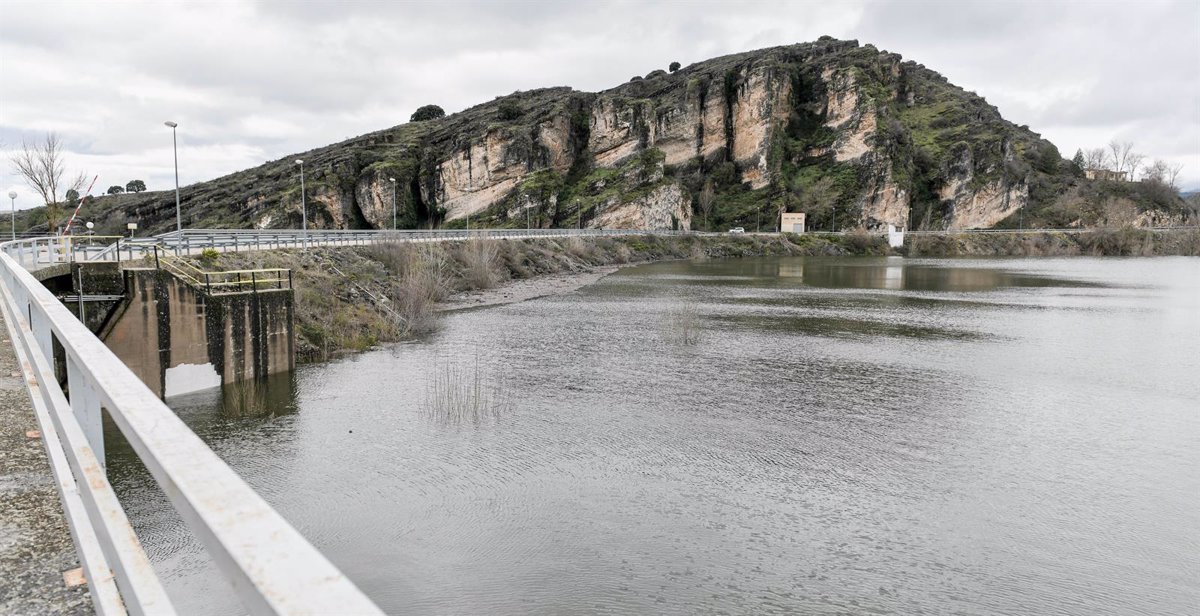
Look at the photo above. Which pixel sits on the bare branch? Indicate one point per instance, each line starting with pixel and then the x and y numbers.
pixel 42 167
pixel 1133 162
pixel 1096 159
pixel 1120 154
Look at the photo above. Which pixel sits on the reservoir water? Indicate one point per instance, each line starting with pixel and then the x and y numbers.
pixel 776 435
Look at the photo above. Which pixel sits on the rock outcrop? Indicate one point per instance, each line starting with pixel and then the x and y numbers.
pixel 850 134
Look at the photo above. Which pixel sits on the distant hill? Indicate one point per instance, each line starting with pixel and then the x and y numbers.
pixel 850 134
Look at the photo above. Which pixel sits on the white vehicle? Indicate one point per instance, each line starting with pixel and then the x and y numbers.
pixel 737 230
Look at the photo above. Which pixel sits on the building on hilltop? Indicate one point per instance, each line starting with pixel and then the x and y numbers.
pixel 1105 174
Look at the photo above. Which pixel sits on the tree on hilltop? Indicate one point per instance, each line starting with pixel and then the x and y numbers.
pixel 1096 158
pixel 673 67
pixel 115 190
pixel 1078 163
pixel 135 186
pixel 427 112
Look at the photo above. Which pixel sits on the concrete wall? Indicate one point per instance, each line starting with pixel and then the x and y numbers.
pixel 178 339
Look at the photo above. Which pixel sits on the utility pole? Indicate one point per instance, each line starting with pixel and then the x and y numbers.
pixel 303 206
pixel 393 181
pixel 12 195
pixel 175 149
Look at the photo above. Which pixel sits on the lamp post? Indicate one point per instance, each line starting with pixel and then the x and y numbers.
pixel 393 181
pixel 175 150
pixel 12 196
pixel 303 205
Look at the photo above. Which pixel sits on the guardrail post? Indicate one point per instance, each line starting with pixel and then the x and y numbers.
pixel 253 282
pixel 41 332
pixel 85 404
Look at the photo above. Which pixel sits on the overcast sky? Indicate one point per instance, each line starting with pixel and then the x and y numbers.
pixel 254 81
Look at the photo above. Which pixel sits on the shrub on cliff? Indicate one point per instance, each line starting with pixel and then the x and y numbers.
pixel 509 110
pixel 673 67
pixel 427 112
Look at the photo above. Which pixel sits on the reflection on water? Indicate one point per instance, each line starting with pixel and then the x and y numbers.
pixel 840 436
pixel 267 397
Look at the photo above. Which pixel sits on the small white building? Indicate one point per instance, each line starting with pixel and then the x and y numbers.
pixel 791 222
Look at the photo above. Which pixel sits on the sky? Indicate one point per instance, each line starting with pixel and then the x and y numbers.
pixel 249 82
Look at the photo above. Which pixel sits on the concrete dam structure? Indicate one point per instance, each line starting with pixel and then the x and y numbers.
pixel 179 338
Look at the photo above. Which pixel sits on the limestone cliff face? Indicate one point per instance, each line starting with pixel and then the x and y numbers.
pixel 824 127
pixel 850 115
pixel 486 170
pixel 979 205
pixel 664 208
pixel 886 202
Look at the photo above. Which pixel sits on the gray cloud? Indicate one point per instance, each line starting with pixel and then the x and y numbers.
pixel 250 82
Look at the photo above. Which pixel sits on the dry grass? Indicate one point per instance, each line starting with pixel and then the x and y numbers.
pixel 425 281
pixel 480 259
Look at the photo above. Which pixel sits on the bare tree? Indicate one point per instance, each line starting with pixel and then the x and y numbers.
pixel 708 198
pixel 1163 172
pixel 1173 174
pixel 1156 171
pixel 1096 159
pixel 1133 162
pixel 1121 150
pixel 41 166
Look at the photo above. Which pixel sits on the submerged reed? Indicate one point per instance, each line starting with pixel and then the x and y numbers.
pixel 458 394
pixel 681 325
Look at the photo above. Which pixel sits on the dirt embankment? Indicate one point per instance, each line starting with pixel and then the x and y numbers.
pixel 1126 242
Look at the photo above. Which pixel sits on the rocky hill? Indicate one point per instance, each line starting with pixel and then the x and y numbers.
pixel 850 134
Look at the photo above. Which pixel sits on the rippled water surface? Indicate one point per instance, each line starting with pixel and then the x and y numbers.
pixel 876 436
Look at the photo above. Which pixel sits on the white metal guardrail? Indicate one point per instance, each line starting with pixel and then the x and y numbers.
pixel 37 253
pixel 271 567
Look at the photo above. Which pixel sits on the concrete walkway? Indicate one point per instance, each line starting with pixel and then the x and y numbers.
pixel 35 544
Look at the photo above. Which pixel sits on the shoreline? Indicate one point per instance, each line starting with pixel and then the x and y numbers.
pixel 517 291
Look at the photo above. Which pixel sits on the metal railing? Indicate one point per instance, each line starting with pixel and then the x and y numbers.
pixel 256 239
pixel 271 567
pixel 41 252
pixel 223 282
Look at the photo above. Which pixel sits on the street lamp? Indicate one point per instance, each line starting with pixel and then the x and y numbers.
pixel 303 205
pixel 175 149
pixel 12 195
pixel 393 181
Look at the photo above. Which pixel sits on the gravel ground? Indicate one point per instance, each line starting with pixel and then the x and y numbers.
pixel 35 545
pixel 522 290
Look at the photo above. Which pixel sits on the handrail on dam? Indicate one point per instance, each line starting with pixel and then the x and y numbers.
pixel 226 281
pixel 271 567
